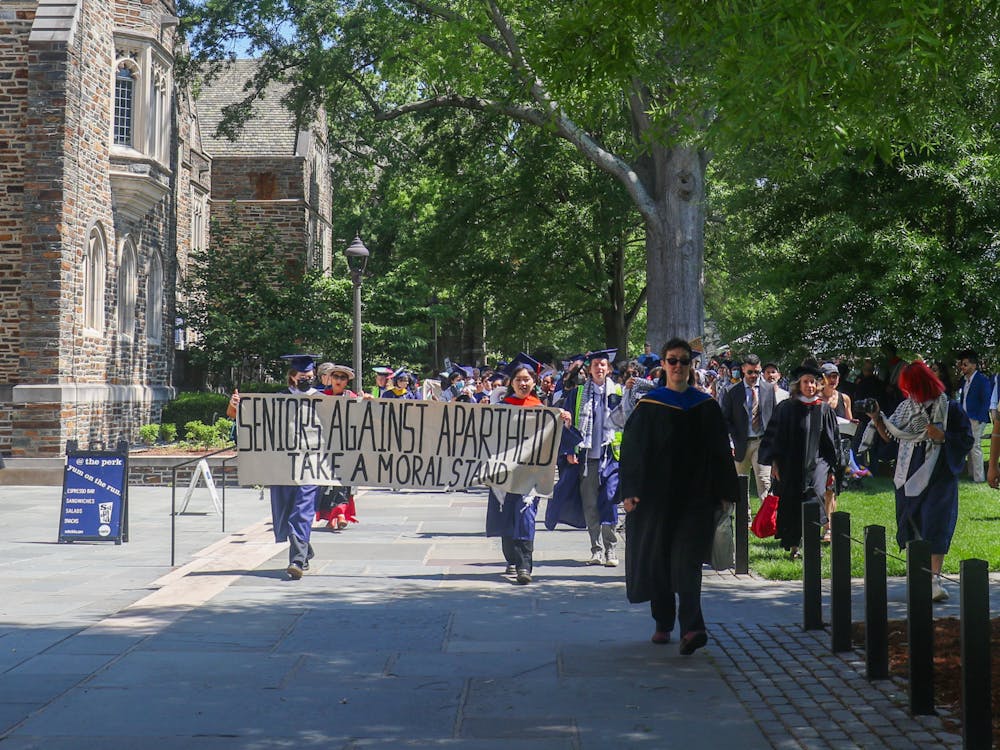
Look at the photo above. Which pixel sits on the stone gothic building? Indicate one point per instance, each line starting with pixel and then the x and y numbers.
pixel 105 187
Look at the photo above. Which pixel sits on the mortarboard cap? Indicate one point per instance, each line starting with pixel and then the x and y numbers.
pixel 301 362
pixel 402 372
pixel 522 359
pixel 806 369
pixel 608 354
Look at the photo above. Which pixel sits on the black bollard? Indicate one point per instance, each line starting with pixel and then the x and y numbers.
pixel 876 605
pixel 741 530
pixel 812 576
pixel 920 627
pixel 977 693
pixel 840 581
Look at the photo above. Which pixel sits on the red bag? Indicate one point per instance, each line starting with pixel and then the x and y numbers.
pixel 765 523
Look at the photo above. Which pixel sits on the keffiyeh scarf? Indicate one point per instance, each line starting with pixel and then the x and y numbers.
pixel 908 424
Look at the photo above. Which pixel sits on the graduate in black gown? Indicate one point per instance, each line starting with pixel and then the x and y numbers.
pixel 676 471
pixel 801 447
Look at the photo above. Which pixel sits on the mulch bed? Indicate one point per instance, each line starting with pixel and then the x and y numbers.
pixel 947 666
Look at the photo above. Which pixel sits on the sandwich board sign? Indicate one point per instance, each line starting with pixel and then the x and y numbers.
pixel 95 496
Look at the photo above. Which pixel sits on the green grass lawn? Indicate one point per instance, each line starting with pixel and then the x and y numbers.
pixel 977 534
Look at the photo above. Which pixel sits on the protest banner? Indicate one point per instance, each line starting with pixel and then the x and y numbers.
pixel 284 439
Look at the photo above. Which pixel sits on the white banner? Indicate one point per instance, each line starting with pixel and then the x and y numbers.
pixel 396 443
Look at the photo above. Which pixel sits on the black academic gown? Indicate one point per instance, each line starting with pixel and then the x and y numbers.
pixel 785 444
pixel 676 459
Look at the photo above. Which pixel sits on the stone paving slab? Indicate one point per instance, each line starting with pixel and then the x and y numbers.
pixel 405 634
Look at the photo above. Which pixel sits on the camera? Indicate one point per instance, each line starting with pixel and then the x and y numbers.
pixel 868 405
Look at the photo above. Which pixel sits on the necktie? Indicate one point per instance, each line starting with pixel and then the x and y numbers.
pixel 755 411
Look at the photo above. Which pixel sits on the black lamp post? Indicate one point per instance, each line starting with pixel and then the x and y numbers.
pixel 357 259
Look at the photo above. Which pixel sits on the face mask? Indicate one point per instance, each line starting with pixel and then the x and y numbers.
pixel 304 384
pixel 459 384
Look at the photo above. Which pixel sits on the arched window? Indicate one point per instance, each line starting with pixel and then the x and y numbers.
pixel 128 288
pixel 124 114
pixel 93 280
pixel 154 298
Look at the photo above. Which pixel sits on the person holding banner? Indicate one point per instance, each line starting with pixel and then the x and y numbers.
pixel 512 517
pixel 293 507
pixel 676 471
pixel 336 503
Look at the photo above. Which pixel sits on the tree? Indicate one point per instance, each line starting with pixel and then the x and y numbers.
pixel 640 89
pixel 248 310
pixel 839 261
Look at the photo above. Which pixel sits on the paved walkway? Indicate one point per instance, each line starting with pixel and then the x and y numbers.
pixel 403 635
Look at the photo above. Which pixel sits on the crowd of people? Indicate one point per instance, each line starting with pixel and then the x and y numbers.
pixel 665 435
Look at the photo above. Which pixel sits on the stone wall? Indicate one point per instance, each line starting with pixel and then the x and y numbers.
pixel 58 380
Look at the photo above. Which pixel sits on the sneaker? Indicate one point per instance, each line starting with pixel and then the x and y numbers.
pixel 305 565
pixel 294 571
pixel 692 641
pixel 611 561
pixel 510 570
pixel 523 577
pixel 938 592
pixel 596 558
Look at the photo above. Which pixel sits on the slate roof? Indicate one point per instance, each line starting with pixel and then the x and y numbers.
pixel 270 131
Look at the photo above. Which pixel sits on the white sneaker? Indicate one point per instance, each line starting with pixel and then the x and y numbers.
pixel 938 592
pixel 611 561
pixel 597 558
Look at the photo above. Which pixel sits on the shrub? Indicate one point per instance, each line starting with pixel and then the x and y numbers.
pixel 149 433
pixel 224 429
pixel 168 432
pixel 192 406
pixel 200 433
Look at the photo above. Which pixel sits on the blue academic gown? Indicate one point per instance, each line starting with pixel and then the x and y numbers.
pixel 514 518
pixel 293 506
pixel 566 504
pixel 933 514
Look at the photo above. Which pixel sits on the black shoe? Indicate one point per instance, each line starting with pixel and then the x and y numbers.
pixel 511 570
pixel 692 641
pixel 305 565
pixel 523 576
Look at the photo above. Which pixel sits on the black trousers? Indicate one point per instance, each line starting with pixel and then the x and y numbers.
pixel 686 609
pixel 518 552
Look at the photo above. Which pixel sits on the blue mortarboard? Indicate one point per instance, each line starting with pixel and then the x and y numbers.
pixel 301 362
pixel 382 370
pixel 400 373
pixel 522 359
pixel 608 354
pixel 547 372
pixel 465 372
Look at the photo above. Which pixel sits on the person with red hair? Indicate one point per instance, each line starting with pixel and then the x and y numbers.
pixel 935 436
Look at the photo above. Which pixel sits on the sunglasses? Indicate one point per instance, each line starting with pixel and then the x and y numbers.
pixel 674 361
pixel 339 376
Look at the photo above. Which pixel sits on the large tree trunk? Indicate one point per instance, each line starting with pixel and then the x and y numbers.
pixel 675 244
pixel 613 313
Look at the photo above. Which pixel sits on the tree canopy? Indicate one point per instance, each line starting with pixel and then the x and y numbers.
pixel 641 91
